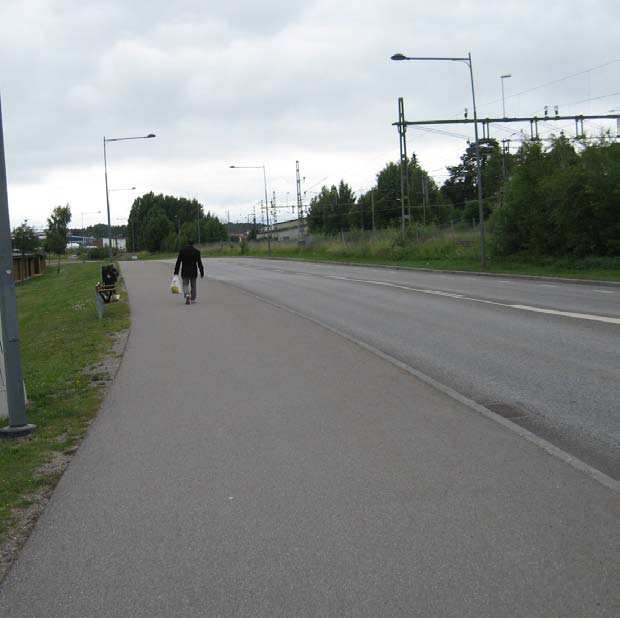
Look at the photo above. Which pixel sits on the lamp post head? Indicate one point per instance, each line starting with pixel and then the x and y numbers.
pixel 233 166
pixel 505 76
pixel 398 57
pixel 151 135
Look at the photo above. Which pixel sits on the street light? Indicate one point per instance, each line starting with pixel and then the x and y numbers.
pixel 466 60
pixel 93 212
pixel 107 192
pixel 13 378
pixel 258 167
pixel 502 78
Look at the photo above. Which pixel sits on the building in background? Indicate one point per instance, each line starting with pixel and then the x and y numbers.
pixel 283 231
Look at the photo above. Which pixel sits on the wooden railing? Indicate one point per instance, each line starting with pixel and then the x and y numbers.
pixel 27 266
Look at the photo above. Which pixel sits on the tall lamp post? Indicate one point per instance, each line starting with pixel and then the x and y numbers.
pixel 258 167
pixel 502 78
pixel 466 60
pixel 16 400
pixel 107 192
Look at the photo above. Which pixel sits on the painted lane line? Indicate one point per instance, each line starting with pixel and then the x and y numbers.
pixel 566 314
pixel 456 296
pixel 604 292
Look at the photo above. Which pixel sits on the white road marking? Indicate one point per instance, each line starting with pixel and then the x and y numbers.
pixel 566 314
pixel 456 296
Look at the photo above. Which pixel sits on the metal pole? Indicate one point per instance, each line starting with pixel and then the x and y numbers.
pixel 478 167
pixel 198 208
pixel 16 400
pixel 300 206
pixel 503 100
pixel 372 205
pixel 424 193
pixel 107 199
pixel 403 163
pixel 267 212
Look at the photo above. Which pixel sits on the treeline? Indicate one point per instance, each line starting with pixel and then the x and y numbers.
pixel 100 231
pixel 164 222
pixel 337 208
pixel 559 200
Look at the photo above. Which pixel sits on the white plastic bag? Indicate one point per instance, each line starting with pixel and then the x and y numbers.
pixel 175 286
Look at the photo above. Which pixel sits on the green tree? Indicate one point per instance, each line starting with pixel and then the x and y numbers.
pixel 561 201
pixel 461 187
pixel 175 209
pixel 423 200
pixel 189 232
pixel 57 228
pixel 360 214
pixel 157 230
pixel 24 238
pixel 329 210
pixel 212 229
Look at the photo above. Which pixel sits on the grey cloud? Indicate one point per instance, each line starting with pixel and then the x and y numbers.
pixel 264 81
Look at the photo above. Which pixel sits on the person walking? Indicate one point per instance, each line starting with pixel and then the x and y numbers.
pixel 189 262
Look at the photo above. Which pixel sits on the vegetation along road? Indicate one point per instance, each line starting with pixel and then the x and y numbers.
pixel 543 353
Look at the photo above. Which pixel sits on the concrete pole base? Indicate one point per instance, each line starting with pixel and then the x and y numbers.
pixel 16 432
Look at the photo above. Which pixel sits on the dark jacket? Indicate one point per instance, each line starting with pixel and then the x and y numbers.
pixel 189 262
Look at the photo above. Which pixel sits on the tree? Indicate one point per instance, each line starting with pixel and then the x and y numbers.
pixel 561 201
pixel 461 187
pixel 56 234
pixel 329 210
pixel 388 210
pixel 24 238
pixel 157 230
pixel 212 229
pixel 178 211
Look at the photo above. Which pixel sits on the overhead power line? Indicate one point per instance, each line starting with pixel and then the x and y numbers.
pixel 554 81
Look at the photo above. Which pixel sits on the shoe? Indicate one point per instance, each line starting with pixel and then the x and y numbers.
pixel 187 300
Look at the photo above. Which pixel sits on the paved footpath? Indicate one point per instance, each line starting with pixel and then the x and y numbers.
pixel 249 463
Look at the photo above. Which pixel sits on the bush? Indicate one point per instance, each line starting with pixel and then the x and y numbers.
pixel 561 202
pixel 97 253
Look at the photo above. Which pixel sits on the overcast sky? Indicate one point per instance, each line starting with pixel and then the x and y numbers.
pixel 271 82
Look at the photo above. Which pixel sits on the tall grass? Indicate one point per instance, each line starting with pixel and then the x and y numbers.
pixel 428 244
pixel 428 247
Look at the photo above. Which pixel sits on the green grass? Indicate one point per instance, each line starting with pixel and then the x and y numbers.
pixel 433 250
pixel 60 336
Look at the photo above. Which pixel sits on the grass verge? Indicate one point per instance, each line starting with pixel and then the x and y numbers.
pixel 61 336
pixel 442 253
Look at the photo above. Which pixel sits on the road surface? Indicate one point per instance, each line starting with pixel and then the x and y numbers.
pixel 249 462
pixel 485 337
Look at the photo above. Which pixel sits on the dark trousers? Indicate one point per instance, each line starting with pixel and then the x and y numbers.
pixel 190 282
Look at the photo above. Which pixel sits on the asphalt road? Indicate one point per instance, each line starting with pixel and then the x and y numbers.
pixel 249 462
pixel 561 372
